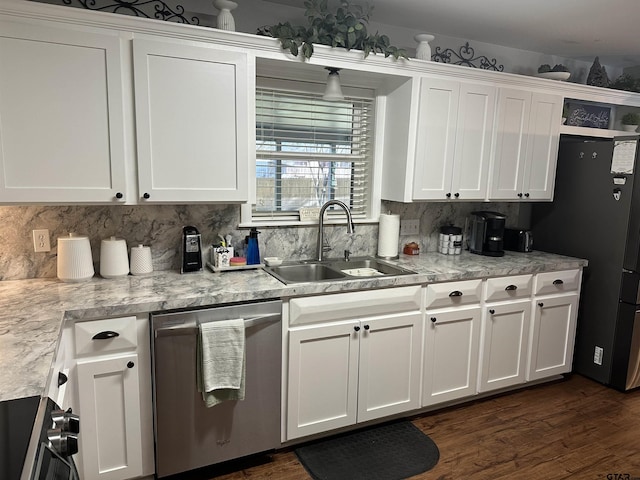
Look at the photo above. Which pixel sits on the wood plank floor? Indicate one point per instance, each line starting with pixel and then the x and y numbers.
pixel 575 428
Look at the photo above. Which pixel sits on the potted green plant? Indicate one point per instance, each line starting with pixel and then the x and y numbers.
pixel 346 28
pixel 630 121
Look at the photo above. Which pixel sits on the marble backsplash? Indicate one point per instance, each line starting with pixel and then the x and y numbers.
pixel 160 226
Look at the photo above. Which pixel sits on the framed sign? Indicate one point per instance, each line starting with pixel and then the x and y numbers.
pixel 594 116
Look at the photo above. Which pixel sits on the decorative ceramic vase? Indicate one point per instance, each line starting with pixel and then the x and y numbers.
pixel 629 128
pixel 423 51
pixel 225 19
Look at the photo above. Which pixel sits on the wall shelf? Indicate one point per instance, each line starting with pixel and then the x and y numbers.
pixel 593 132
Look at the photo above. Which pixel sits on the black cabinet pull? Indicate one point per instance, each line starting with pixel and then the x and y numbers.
pixel 119 195
pixel 511 288
pixel 540 304
pixel 130 364
pixel 434 319
pixel 62 379
pixel 146 196
pixel 456 293
pixel 456 195
pixel 106 335
pixel 356 328
pixel 558 282
pixel 366 327
pixel 448 195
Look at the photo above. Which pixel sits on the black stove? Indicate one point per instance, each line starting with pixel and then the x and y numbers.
pixel 17 418
pixel 37 440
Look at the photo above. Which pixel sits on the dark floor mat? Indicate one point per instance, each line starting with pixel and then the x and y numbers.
pixel 389 452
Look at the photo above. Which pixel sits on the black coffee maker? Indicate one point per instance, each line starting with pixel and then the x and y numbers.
pixel 486 233
pixel 191 250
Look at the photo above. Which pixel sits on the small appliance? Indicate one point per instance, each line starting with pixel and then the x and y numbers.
pixel 191 250
pixel 518 240
pixel 486 233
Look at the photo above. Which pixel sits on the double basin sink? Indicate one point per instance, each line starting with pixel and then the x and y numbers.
pixel 334 270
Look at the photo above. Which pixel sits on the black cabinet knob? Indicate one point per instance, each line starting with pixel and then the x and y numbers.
pixel 526 195
pixel 130 364
pixel 520 195
pixel 119 195
pixel 366 327
pixel 456 195
pixel 540 304
pixel 492 311
pixel 448 195
pixel 146 196
pixel 434 319
pixel 357 328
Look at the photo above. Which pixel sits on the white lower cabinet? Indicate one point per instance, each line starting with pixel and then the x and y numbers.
pixel 111 373
pixel 109 402
pixel 505 341
pixel 352 369
pixel 450 354
pixel 552 335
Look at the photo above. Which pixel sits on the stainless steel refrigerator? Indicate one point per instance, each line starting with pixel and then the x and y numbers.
pixel 595 215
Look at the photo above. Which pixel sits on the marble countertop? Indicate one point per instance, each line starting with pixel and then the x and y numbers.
pixel 32 311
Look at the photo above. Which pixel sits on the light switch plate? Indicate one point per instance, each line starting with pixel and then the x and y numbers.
pixel 409 227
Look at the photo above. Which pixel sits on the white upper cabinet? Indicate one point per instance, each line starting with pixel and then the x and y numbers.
pixel 192 117
pixel 455 126
pixel 526 147
pixel 61 115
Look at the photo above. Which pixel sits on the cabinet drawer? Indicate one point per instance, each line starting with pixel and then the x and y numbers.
pixel 99 336
pixel 557 282
pixel 452 294
pixel 347 306
pixel 507 288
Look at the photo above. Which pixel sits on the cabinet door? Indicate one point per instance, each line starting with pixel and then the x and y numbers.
pixel 322 378
pixel 192 122
pixel 450 354
pixel 389 373
pixel 512 127
pixel 552 336
pixel 109 408
pixel 504 344
pixel 473 142
pixel 542 146
pixel 437 121
pixel 61 105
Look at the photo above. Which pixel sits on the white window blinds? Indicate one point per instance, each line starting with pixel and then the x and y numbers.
pixel 309 151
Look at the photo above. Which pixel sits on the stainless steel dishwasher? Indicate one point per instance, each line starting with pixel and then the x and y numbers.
pixel 189 435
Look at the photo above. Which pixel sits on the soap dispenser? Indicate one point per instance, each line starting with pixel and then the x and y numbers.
pixel 253 251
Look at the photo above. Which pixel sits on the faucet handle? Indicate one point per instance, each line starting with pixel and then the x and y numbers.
pixel 346 255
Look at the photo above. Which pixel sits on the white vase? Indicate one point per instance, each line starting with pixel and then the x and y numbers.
pixel 423 51
pixel 629 128
pixel 225 19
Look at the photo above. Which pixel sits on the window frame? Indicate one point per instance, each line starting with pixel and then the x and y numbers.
pixel 373 202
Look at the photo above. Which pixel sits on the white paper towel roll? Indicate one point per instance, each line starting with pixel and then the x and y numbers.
pixel 388 235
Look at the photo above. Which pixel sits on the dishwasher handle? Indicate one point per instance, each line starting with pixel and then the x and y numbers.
pixel 191 328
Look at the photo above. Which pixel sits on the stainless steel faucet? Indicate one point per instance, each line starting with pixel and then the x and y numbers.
pixel 350 229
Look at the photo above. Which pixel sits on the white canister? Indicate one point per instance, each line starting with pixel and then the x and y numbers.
pixel 75 262
pixel 141 263
pixel 114 261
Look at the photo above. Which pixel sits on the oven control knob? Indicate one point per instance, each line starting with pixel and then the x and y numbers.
pixel 66 421
pixel 63 443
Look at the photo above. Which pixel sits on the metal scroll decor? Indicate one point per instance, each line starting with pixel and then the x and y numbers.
pixel 140 8
pixel 466 55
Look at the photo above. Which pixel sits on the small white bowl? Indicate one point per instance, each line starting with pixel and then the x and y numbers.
pixel 272 261
pixel 562 76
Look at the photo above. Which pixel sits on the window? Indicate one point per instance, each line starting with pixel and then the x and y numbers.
pixel 309 150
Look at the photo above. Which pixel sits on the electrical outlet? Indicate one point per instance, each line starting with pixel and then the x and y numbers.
pixel 409 227
pixel 41 241
pixel 597 355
